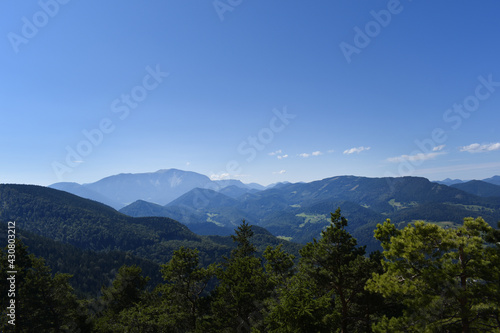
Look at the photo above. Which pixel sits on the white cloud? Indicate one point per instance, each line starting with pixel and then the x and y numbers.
pixel 477 148
pixel 331 151
pixel 356 150
pixel 413 158
pixel 279 154
pixel 438 148
pixel 314 153
pixel 279 172
pixel 220 176
pixel 188 163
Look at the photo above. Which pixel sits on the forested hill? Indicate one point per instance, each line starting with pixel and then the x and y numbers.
pixel 480 188
pixel 296 211
pixel 88 225
pixel 333 285
pixel 299 211
pixel 90 270
pixel 84 223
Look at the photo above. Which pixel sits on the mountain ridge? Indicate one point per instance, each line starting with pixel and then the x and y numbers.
pixel 300 211
pixel 165 185
pixel 479 188
pixel 448 181
pixel 55 223
pixel 160 187
pixel 90 225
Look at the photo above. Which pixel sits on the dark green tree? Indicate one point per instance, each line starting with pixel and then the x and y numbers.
pixel 126 291
pixel 43 303
pixel 280 266
pixel 186 282
pixel 243 287
pixel 327 294
pixel 301 307
pixel 180 304
pixel 447 278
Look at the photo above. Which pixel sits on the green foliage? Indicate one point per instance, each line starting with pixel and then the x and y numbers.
pixel 431 278
pixel 184 291
pixel 279 265
pixel 90 226
pixel 328 292
pixel 300 307
pixel 126 291
pixel 242 238
pixel 90 270
pixel 446 278
pixel 296 210
pixel 84 223
pixel 43 303
pixel 243 286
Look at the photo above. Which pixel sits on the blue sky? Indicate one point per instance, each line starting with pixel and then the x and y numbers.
pixel 261 91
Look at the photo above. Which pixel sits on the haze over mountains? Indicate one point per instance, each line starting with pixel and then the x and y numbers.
pixel 170 208
pixel 158 187
pixel 91 240
pixel 295 211
pixel 164 186
pixel 492 180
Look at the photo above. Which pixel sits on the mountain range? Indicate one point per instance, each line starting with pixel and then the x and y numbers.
pixel 164 186
pixel 300 211
pixel 159 187
pixel 495 180
pixel 293 211
pixel 91 240
pixel 479 188
pixel 172 208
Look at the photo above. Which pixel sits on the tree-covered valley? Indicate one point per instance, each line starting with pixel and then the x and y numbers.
pixel 372 267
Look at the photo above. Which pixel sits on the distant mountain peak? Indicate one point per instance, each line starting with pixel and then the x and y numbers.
pixel 448 181
pixel 171 170
pixel 160 187
pixel 480 188
pixel 493 180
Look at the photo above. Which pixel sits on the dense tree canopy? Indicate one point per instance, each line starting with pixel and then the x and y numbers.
pixel 447 279
pixel 428 279
pixel 43 303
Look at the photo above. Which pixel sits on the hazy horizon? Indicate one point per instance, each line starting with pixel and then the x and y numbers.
pixel 263 184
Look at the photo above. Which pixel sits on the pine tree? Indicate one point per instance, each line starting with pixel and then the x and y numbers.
pixel 126 292
pixel 183 300
pixel 280 266
pixel 44 303
pixel 446 278
pixel 243 287
pixel 327 294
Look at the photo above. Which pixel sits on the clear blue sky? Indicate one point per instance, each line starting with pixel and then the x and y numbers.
pixel 261 91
